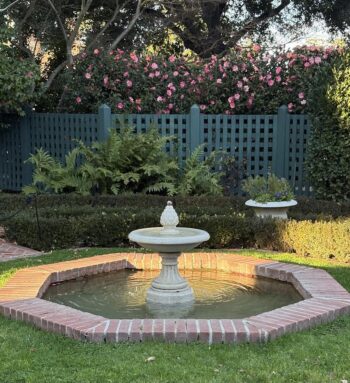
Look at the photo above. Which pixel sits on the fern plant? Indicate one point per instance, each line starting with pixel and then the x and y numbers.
pixel 197 177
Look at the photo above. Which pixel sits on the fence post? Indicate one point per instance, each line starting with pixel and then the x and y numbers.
pixel 280 143
pixel 104 122
pixel 194 127
pixel 24 125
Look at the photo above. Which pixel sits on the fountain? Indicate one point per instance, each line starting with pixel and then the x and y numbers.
pixel 169 240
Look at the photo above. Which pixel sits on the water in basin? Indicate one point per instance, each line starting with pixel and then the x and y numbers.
pixel 122 294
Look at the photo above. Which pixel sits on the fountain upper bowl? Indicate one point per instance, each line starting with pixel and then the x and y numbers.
pixel 172 240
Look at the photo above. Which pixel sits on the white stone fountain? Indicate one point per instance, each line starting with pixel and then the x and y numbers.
pixel 169 240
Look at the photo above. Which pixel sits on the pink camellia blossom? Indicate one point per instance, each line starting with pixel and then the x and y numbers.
pixel 186 73
pixel 88 76
pixel 134 57
pixel 219 81
pixel 170 106
pixel 235 68
pixel 237 96
pixel 154 66
pixel 129 83
pixel 290 106
pixel 240 84
pixel 318 60
pixel 301 95
pixel 151 75
pixel 175 73
pixel 303 102
pixel 202 107
pixel 270 82
pixel 120 105
pixel 232 105
pixel 126 74
pixel 131 100
pixel 120 51
pixel 159 98
pixel 226 64
pixel 246 88
pixel 169 93
pixel 245 79
pixel 231 99
pixel 193 82
pixel 182 84
pixel 138 101
pixel 165 76
pixel 256 48
pixel 212 102
pixel 278 70
pixel 105 80
pixel 311 60
pixel 138 108
pixel 278 78
pixel 157 73
pixel 269 76
pixel 96 51
pixel 182 96
pixel 307 64
pixel 172 58
pixel 78 100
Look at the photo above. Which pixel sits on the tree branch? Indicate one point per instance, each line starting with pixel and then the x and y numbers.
pixel 2 10
pixel 54 73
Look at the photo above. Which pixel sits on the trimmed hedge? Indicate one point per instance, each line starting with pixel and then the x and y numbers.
pixel 70 221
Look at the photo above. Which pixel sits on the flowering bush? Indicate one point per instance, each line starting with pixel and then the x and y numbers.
pixel 247 81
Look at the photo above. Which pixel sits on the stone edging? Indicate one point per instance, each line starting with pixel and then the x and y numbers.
pixel 324 300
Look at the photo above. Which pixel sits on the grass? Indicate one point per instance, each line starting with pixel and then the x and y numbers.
pixel 28 355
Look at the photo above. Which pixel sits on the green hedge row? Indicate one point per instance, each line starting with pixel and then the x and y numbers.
pixel 105 227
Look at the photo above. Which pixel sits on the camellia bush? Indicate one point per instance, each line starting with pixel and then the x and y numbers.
pixel 249 80
pixel 18 77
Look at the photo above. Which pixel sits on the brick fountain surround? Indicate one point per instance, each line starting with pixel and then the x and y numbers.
pixel 324 300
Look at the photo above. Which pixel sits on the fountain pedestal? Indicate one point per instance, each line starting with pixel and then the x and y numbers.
pixel 169 287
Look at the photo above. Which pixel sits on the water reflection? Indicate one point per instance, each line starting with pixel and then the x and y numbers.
pixel 218 294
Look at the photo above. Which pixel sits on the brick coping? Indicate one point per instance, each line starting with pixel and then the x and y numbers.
pixel 324 300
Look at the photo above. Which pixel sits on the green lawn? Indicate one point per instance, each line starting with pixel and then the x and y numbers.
pixel 30 355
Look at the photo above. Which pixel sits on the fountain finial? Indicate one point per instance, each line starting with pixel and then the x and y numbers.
pixel 169 218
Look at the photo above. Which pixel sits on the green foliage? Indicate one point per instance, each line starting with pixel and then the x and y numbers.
pixel 328 161
pixel 267 189
pixel 198 178
pixel 69 220
pixel 125 162
pixel 18 76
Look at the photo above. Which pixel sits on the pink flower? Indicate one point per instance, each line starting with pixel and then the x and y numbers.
pixel 131 100
pixel 318 60
pixel 231 99
pixel 307 64
pixel 290 106
pixel 202 107
pixel 151 75
pixel 172 58
pixel 154 66
pixel 278 78
pixel 270 82
pixel 278 70
pixel 96 51
pixel 78 100
pixel 165 76
pixel 303 102
pixel 129 83
pixel 219 81
pixel 182 96
pixel 120 105
pixel 126 74
pixel 240 84
pixel 157 73
pixel 256 47
pixel 235 68
pixel 237 96
pixel 138 101
pixel 186 73
pixel 176 73
pixel 169 93
pixel 138 108
pixel 105 80
pixel 159 98
pixel 226 64
pixel 182 84
pixel 311 60
pixel 212 102
pixel 246 88
pixel 134 57
pixel 232 105
pixel 170 106
pixel 301 95
pixel 88 76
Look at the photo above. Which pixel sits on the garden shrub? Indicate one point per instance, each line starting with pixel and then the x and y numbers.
pixel 247 81
pixel 70 221
pixel 328 161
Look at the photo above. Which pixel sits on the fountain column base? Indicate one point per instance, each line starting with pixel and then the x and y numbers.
pixel 169 287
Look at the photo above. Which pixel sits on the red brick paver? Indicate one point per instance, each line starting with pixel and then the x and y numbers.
pixel 324 300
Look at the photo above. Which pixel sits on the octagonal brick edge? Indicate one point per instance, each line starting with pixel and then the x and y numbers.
pixel 324 300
